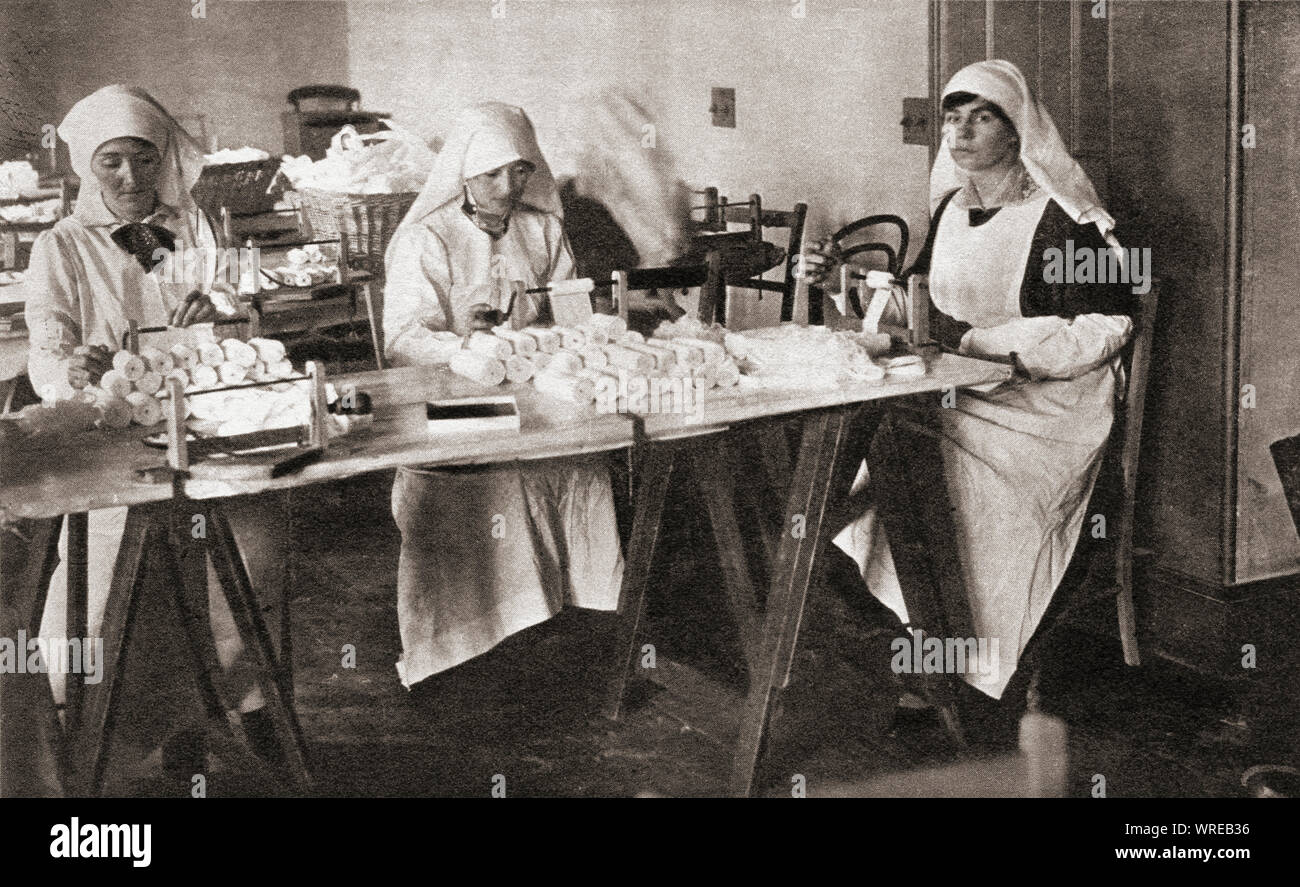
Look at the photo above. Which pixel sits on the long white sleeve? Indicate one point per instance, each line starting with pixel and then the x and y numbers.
pixel 1054 347
pixel 416 290
pixel 53 312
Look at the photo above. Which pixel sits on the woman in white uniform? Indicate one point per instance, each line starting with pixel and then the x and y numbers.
pixel 91 274
pixel 487 552
pixel 1020 460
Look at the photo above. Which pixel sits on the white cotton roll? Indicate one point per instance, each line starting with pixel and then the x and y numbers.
pixel 564 362
pixel 548 341
pixel 232 373
pixel 908 366
pixel 592 357
pixel 204 376
pixel 631 337
pixel 239 352
pixel 571 338
pixel 149 383
pixel 713 352
pixel 145 409
pixel 129 365
pixel 269 351
pixel 565 386
pixel 611 324
pixel 211 354
pixel 257 372
pixel 689 355
pixel 594 334
pixel 737 346
pixel 184 356
pixel 478 367
pixel 569 287
pixel 663 357
pixel 519 368
pixel 728 374
pixel 114 412
pixel 280 370
pixel 521 342
pixel 628 359
pixel 541 360
pixel 489 346
pixel 179 375
pixel 158 361
pixel 115 383
pixel 705 376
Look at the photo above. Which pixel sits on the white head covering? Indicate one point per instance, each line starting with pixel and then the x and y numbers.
pixel 483 138
pixel 1042 151
pixel 119 111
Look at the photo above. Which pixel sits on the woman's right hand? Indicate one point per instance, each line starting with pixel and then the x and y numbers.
pixel 88 364
pixel 818 259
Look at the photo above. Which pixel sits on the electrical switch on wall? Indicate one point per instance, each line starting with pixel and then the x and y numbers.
pixel 723 106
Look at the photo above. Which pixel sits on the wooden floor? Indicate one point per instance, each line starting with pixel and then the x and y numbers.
pixel 527 711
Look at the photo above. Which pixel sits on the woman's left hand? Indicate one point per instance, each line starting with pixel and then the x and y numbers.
pixel 197 308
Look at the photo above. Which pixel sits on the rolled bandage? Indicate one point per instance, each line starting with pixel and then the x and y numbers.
pixel 570 337
pixel 232 373
pixel 904 367
pixel 728 374
pixel 281 370
pixel 129 365
pixel 478 367
pixel 269 351
pixel 489 346
pixel 570 287
pixel 211 354
pixel 611 325
pixel 521 342
pixel 184 356
pixel 737 346
pixel 592 357
pixel 518 368
pixel 158 361
pixel 149 383
pixel 687 354
pixel 204 376
pixel 115 383
pixel 548 341
pixel 565 386
pixel 628 359
pixel 145 409
pixel 564 362
pixel 177 374
pixel 595 335
pixel 705 376
pixel 714 353
pixel 541 360
pixel 631 337
pixel 663 357
pixel 239 352
pixel 114 412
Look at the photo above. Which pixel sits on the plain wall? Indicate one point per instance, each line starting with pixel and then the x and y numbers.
pixel 819 98
pixel 234 65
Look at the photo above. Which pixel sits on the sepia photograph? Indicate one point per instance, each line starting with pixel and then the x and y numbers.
pixel 650 399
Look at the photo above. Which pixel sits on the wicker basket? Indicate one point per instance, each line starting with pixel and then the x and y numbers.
pixel 241 187
pixel 370 219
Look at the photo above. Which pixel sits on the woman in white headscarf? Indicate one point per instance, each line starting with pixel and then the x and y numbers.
pixel 104 266
pixel 487 552
pixel 1021 460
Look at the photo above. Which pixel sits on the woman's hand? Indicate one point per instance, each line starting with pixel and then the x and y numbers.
pixel 818 259
pixel 197 308
pixel 88 365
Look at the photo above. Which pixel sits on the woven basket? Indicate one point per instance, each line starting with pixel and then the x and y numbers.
pixel 241 187
pixel 369 219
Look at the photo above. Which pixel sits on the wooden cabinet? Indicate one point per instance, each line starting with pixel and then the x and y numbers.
pixel 1152 98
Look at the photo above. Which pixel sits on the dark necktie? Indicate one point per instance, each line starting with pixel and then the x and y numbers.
pixel 143 241
pixel 980 216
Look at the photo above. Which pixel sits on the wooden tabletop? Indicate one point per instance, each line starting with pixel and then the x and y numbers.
pixel 98 469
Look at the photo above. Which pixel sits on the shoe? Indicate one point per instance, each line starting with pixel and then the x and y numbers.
pixel 259 730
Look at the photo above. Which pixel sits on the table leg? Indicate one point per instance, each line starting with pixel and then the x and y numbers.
pixel 78 604
pixel 827 436
pixel 376 330
pixel 30 763
pixel 273 679
pixel 654 468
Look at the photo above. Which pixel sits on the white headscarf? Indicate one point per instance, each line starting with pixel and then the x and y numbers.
pixel 1042 151
pixel 120 111
pixel 485 137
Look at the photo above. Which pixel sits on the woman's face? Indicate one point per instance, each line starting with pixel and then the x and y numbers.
pixel 499 191
pixel 128 169
pixel 980 139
